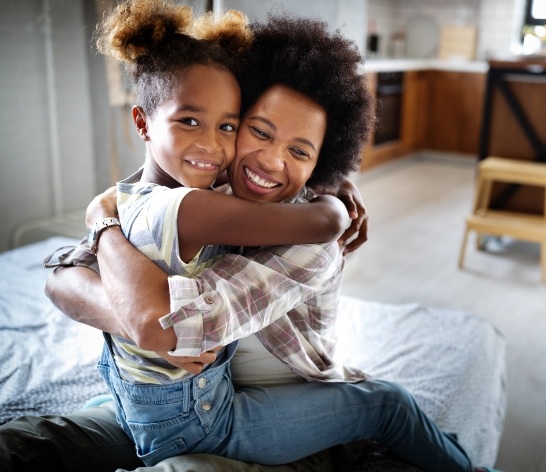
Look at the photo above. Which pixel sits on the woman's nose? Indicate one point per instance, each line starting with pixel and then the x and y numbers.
pixel 272 158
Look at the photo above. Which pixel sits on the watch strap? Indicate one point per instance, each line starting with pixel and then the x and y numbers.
pixel 96 230
pixel 106 223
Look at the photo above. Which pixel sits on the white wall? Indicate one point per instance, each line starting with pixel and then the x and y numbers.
pixel 498 21
pixel 347 15
pixel 44 112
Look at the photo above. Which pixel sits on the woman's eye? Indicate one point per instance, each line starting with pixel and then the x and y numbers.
pixel 190 121
pixel 228 127
pixel 259 133
pixel 299 153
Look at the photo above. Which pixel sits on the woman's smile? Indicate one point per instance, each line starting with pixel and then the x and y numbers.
pixel 259 181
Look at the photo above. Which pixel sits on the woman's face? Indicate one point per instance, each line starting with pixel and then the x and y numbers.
pixel 278 145
pixel 191 136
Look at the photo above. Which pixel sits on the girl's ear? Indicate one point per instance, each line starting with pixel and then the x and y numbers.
pixel 139 118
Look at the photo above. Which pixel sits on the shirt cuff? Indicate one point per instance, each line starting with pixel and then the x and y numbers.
pixel 186 317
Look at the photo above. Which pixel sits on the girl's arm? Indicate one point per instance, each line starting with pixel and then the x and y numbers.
pixel 208 218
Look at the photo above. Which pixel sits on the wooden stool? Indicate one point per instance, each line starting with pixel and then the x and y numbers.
pixel 522 226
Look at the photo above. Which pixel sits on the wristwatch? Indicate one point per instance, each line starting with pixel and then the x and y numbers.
pixel 96 230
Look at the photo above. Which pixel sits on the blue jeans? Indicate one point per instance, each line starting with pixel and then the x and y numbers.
pixel 274 425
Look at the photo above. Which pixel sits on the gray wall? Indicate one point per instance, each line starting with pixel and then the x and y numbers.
pixel 45 116
pixel 347 15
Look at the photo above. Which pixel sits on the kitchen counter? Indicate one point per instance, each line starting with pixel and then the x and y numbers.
pixel 390 65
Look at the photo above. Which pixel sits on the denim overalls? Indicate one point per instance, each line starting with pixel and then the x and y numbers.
pixel 170 419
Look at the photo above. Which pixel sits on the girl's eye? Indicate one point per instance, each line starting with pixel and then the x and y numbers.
pixel 259 133
pixel 228 127
pixel 190 121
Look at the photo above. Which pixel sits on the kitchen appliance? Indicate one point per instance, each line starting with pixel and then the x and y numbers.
pixel 389 92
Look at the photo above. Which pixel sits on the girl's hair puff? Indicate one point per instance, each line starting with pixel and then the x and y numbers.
pixel 156 40
pixel 135 27
pixel 230 30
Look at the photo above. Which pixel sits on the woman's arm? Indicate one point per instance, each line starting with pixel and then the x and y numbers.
pixel 78 292
pixel 134 286
pixel 137 289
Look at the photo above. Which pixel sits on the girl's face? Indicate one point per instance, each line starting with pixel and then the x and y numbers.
pixel 191 136
pixel 278 145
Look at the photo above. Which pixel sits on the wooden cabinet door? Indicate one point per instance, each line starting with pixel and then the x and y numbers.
pixel 415 106
pixel 455 111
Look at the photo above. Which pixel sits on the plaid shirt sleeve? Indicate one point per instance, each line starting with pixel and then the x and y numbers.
pixel 66 256
pixel 241 295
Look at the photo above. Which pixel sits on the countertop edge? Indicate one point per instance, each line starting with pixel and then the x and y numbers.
pixel 391 65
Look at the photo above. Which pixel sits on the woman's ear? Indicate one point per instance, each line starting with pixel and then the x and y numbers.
pixel 139 118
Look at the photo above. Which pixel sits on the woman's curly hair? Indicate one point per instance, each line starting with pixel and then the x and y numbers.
pixel 156 40
pixel 302 54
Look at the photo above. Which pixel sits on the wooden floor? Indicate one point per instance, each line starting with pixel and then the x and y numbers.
pixel 417 208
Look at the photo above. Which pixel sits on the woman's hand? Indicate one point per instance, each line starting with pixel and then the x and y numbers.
pixel 350 195
pixel 102 206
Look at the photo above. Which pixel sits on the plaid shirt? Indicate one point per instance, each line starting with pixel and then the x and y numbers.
pixel 287 295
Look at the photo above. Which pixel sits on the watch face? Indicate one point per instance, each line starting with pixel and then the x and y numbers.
pixel 91 237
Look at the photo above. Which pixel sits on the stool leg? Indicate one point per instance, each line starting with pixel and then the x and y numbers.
pixel 543 260
pixel 463 247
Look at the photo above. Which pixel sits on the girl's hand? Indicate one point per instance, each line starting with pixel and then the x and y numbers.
pixel 350 195
pixel 102 206
pixel 194 365
pixel 336 212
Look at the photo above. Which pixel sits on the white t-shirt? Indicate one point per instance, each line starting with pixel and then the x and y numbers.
pixel 254 365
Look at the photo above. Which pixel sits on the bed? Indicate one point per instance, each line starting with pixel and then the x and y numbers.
pixel 453 362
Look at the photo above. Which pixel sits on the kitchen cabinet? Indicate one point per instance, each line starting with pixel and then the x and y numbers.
pixel 373 154
pixel 455 108
pixel 376 154
pixel 415 106
pixel 441 110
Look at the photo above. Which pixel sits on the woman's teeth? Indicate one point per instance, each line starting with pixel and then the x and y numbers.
pixel 203 165
pixel 257 180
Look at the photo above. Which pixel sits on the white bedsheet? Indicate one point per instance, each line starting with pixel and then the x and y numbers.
pixel 454 364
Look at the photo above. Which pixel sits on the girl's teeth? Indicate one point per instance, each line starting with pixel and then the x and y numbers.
pixel 202 165
pixel 258 180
